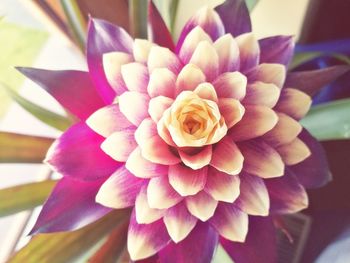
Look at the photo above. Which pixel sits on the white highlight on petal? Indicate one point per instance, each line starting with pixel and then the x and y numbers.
pixel 157 106
pixel 112 63
pixel 232 111
pixel 249 51
pixel 134 106
pixel 231 85
pixel 206 91
pixel 141 50
pixel 135 76
pixel 197 160
pixel 161 57
pixel 161 83
pixel 269 73
pixel 263 94
pixel 201 205
pixel 294 152
pixel 189 78
pixel 146 130
pixel 228 52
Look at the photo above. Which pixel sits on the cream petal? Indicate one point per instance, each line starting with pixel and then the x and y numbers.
pixel 146 130
pixel 135 76
pixel 294 103
pixel 294 152
pixel 263 94
pixel 269 73
pixel 232 111
pixel 228 52
pixel 206 91
pixel 157 106
pixel 134 114
pixel 179 222
pixel 187 181
pixel 189 78
pixel 261 159
pixel 249 51
pixel 256 121
pixel 142 168
pixel 120 144
pixel 201 205
pixel 222 186
pixel 161 83
pixel 227 157
pixel 141 50
pixel 231 85
pixel 197 160
pixel 206 58
pixel 161 57
pixel 160 194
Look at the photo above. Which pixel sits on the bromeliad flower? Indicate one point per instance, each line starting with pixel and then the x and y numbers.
pixel 201 139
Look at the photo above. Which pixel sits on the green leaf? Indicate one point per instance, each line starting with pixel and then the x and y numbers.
pixel 329 121
pixel 221 256
pixel 18 148
pixel 67 246
pixel 50 118
pixel 251 4
pixel 24 197
pixel 302 57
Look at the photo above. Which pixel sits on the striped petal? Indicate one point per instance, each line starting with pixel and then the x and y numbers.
pixel 231 85
pixel 157 106
pixel 268 73
pixel 135 76
pixel 263 94
pixel 228 52
pixel 294 152
pixel 189 78
pixel 232 111
pixel 134 114
pixel 198 159
pixel 201 205
pixel 249 51
pixel 161 83
pixel 161 57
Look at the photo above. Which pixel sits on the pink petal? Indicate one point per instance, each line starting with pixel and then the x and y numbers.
pixel 254 198
pixel 189 78
pixel 141 49
pixel 120 190
pixel 197 160
pixel 231 85
pixel 135 76
pixel 268 73
pixel 107 120
pixel 120 144
pixel 249 51
pixel 230 222
pixel 161 57
pixel 146 130
pixel 137 113
pixel 160 193
pixel 145 214
pixel 256 121
pixel 179 222
pixel 221 186
pixel 206 91
pixel 294 103
pixel 294 152
pixel 228 52
pixel 261 159
pixel 263 94
pixel 201 205
pixel 157 106
pixel 227 157
pixel 145 240
pixel 140 167
pixel 232 111
pixel 187 181
pixel 157 151
pixel 161 83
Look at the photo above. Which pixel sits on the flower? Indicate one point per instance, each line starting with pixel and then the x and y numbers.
pixel 201 139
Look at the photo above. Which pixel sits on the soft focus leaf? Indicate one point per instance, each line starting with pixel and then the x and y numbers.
pixel 168 10
pixel 66 246
pixel 138 18
pixel 329 121
pixel 251 4
pixel 23 197
pixel 18 148
pixel 48 117
pixel 303 57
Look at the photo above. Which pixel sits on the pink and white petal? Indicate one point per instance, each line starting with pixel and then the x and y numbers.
pixel 230 222
pixel 186 181
pixel 228 52
pixel 261 159
pixel 249 51
pixel 157 106
pixel 231 85
pixel 232 111
pixel 135 76
pixel 193 38
pixel 163 131
pixel 207 59
pixel 285 131
pixel 141 49
pixel 189 78
pixel 201 205
pixel 146 130
pixel 287 195
pixel 294 152
pixel 145 240
pixel 112 64
pixel 197 160
pixel 142 168
pixel 161 57
pixel 120 144
pixel 137 113
pixel 157 151
pixel 227 157
pixel 107 120
pixel 256 121
pixel 120 189
pixel 221 186
pixel 294 103
pixel 254 198
pixel 161 83
pixel 160 193
pixel 179 222
pixel 268 73
pixel 145 214
pixel 260 93
pixel 206 91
